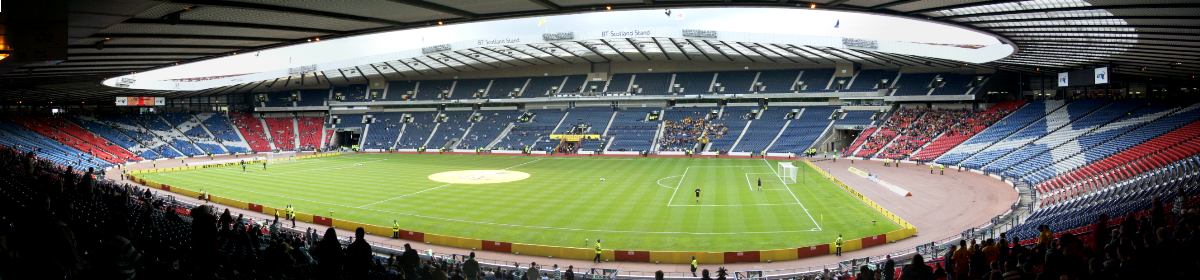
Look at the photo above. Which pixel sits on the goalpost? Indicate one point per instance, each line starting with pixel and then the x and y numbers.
pixel 281 157
pixel 787 172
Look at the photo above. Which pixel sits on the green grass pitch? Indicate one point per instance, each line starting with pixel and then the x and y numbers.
pixel 637 207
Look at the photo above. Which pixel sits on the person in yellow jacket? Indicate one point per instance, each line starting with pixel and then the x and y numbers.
pixel 694 266
pixel 838 244
pixel 931 166
pixel 292 214
pixel 598 251
pixel 943 169
pixel 395 230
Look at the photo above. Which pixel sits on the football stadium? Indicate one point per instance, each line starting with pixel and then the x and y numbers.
pixel 599 139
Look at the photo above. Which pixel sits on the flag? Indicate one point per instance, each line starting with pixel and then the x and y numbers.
pixel 839 23
pixel 540 23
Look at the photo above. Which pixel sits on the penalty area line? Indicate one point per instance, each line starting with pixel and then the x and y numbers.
pixel 789 189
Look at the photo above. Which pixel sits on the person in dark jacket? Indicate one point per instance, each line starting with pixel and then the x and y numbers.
pixel 358 255
pixel 917 270
pixel 410 260
pixel 329 256
pixel 889 269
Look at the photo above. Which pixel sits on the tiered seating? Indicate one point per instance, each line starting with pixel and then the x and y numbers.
pixel 22 139
pixel 964 130
pixel 383 132
pixel 814 80
pixel 313 97
pixel 65 139
pixel 1053 121
pixel 619 82
pixel 453 128
pixel 417 132
pixel 578 83
pixel 540 86
pixel 278 99
pixel 914 83
pixel 430 89
pixel 1116 201
pixel 801 133
pixel 90 138
pixel 352 93
pixel 1025 159
pixel 597 118
pixel 692 82
pixel 1138 151
pixel 310 132
pixel 503 86
pixel 736 82
pixel 283 133
pixel 683 127
pixel 252 129
pixel 779 81
pixel 629 130
pixel 1129 130
pixel 653 83
pixel 484 131
pixel 735 119
pixel 466 88
pixel 143 136
pixel 1017 120
pixel 192 128
pixel 924 130
pixel 955 84
pixel 858 141
pixel 868 80
pixel 111 132
pixel 397 90
pixel 223 132
pixel 763 130
pixel 166 132
pixel 856 118
pixel 876 142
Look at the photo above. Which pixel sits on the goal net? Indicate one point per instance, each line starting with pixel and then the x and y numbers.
pixel 281 157
pixel 787 172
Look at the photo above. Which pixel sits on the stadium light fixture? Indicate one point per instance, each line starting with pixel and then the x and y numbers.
pixel 439 22
pixel 608 8
pixel 812 6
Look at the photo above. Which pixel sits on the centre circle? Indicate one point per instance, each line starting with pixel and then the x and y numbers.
pixel 479 176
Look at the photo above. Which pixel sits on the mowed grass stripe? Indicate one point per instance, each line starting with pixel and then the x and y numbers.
pixel 561 204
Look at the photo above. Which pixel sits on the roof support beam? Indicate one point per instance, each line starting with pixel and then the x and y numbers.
pixel 568 51
pixel 635 46
pixel 188 36
pixel 439 61
pixel 527 54
pixel 284 9
pixel 951 7
pixel 459 61
pixel 437 7
pixel 586 47
pixel 232 24
pixel 389 65
pixel 500 60
pixel 1081 18
pixel 509 56
pixel 706 42
pixel 615 49
pixel 690 43
pixel 477 60
pixel 751 48
pixel 774 52
pixel 547 4
pixel 1105 7
pixel 546 52
pixel 664 51
pixel 789 50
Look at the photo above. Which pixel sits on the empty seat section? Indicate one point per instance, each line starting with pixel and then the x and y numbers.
pixel 801 133
pixel 541 86
pixel 735 82
pixel 956 84
pixel 1030 113
pixel 470 88
pixel 193 130
pixel 619 83
pixel 352 93
pixel 451 129
pixel 1056 145
pixel 526 134
pixel 595 118
pixel 223 132
pixel 971 125
pixel 631 132
pixel 384 131
pixel 652 83
pixel 416 133
pixel 400 90
pixel 762 130
pixel 432 89
pixel 310 132
pixel 914 83
pixel 313 97
pixel 868 80
pixel 162 131
pixel 1051 122
pixel 111 132
pixel 781 81
pixel 487 128
pixel 502 87
pixel 735 120
pixel 693 82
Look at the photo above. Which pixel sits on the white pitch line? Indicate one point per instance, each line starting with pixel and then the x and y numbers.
pixel 685 171
pixel 659 182
pixel 789 189
pixel 505 225
pixel 748 183
pixel 390 199
pixel 764 204
pixel 523 164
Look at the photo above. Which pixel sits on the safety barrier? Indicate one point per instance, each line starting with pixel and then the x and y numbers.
pixel 906 231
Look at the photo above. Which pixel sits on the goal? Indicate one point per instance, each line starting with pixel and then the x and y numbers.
pixel 787 172
pixel 281 157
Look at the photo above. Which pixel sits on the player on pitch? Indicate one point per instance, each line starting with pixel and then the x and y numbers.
pixel 697 194
pixel 760 184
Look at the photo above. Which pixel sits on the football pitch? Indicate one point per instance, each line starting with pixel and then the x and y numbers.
pixel 645 204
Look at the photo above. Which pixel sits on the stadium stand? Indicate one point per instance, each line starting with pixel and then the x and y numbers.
pixel 801 132
pixel 223 132
pixel 310 132
pixel 631 132
pixel 735 81
pixel 451 129
pixel 283 133
pixel 40 126
pixel 417 132
pixel 194 131
pixel 488 128
pixel 469 88
pixel 160 129
pixel 964 130
pixel 398 91
pixel 684 127
pixel 868 80
pixel 692 82
pixel 527 134
pixel 313 97
pixel 383 132
pixel 932 124
pixel 762 131
pixel 955 84
pixel 1028 114
pixel 251 128
pixel 20 138
pixel 914 83
pixel 783 80
pixel 540 86
pixel 110 132
pixel 1036 130
pixel 734 119
pixel 501 88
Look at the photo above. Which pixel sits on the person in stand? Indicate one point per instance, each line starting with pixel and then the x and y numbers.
pixel 598 251
pixel 471 268
pixel 697 194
